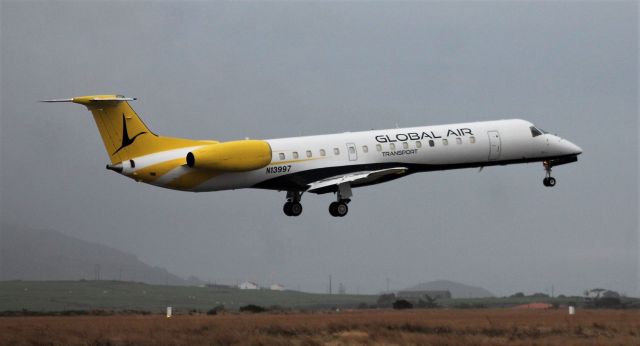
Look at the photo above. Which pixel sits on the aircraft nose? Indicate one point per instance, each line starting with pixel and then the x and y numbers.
pixel 571 148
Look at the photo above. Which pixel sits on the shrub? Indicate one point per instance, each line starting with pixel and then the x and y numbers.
pixel 252 308
pixel 608 303
pixel 401 304
pixel 215 310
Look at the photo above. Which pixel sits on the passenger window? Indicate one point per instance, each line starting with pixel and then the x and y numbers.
pixel 336 151
pixel 365 149
pixel 418 144
pixel 322 152
pixel 378 147
pixel 472 139
pixel 445 141
pixel 308 153
pixel 432 143
pixel 392 146
pixel 405 145
pixel 281 156
pixel 459 140
pixel 295 155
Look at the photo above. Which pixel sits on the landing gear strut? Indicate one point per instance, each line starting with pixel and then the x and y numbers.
pixel 339 208
pixel 548 181
pixel 293 207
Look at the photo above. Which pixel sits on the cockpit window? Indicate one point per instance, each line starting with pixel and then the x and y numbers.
pixel 535 132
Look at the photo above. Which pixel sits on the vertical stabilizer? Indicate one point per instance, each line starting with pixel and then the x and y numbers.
pixel 124 134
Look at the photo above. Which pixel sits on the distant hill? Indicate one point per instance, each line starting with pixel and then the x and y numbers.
pixel 27 254
pixel 457 290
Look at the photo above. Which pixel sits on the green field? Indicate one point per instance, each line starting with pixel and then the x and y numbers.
pixel 56 296
pixel 117 295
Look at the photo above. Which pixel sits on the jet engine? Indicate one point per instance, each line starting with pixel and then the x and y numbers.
pixel 235 156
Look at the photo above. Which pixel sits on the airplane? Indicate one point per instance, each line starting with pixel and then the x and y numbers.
pixel 333 163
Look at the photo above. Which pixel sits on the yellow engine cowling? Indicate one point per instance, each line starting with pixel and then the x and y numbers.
pixel 236 156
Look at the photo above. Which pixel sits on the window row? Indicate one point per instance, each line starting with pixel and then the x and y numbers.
pixel 308 154
pixel 365 149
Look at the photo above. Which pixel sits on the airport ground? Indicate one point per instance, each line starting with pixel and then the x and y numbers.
pixel 350 327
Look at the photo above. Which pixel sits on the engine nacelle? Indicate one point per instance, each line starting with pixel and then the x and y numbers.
pixel 236 156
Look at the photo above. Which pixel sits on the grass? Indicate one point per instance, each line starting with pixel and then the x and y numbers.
pixel 57 296
pixel 373 327
pixel 115 295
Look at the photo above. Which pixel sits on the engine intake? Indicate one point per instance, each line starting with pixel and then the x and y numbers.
pixel 235 156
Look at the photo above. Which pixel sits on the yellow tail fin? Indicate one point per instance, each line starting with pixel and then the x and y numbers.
pixel 124 134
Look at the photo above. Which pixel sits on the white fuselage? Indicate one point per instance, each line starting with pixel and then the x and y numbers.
pixel 298 161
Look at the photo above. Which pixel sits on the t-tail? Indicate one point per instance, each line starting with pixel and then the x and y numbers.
pixel 124 134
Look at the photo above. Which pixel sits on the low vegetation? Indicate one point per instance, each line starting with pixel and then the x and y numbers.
pixel 94 297
pixel 376 327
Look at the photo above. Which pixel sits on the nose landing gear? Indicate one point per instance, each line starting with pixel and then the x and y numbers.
pixel 293 207
pixel 548 181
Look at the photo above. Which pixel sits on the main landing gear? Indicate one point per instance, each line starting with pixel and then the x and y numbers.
pixel 293 207
pixel 548 181
pixel 339 208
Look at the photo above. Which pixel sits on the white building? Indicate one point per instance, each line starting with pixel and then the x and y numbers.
pixel 248 285
pixel 277 287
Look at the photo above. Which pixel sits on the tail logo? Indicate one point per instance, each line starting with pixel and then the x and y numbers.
pixel 126 141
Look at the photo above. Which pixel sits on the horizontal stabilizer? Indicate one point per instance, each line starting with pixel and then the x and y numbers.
pixel 94 98
pixel 58 100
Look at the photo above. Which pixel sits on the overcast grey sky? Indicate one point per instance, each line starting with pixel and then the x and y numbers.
pixel 263 70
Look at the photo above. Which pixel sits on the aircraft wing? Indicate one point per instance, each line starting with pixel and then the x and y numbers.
pixel 356 179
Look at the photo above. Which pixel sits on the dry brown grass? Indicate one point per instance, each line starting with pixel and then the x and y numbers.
pixel 370 327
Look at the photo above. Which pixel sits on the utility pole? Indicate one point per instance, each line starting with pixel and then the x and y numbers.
pixel 329 284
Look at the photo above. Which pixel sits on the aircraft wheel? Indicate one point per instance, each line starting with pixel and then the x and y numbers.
pixel 341 209
pixel 551 181
pixel 332 208
pixel 288 209
pixel 295 209
pixel 545 181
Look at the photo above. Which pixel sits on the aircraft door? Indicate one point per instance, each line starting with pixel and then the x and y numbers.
pixel 353 153
pixel 494 145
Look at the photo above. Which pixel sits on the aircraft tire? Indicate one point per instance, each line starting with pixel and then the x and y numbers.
pixel 545 181
pixel 287 209
pixel 295 209
pixel 332 209
pixel 551 182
